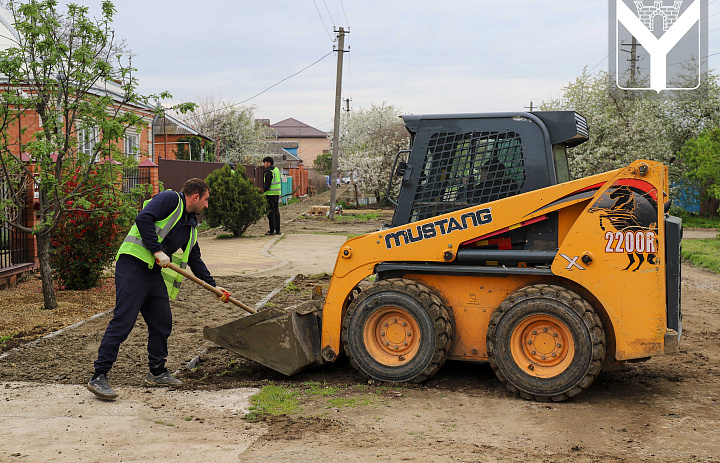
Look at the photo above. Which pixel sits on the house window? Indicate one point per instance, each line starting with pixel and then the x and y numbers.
pixel 87 137
pixel 131 146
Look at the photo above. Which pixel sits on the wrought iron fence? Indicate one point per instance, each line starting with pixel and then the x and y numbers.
pixel 134 176
pixel 14 244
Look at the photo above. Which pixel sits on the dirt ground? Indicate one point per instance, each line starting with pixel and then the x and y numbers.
pixel 664 410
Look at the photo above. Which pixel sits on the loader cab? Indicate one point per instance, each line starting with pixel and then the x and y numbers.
pixel 462 160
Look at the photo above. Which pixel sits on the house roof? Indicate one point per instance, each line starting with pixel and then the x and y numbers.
pixel 293 128
pixel 174 127
pixel 8 34
pixel 9 38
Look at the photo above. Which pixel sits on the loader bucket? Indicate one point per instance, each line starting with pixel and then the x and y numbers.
pixel 285 340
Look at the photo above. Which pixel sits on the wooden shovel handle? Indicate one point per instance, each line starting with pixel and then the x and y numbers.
pixel 212 289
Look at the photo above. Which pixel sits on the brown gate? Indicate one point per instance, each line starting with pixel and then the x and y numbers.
pixel 174 173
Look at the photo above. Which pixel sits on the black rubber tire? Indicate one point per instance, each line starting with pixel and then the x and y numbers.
pixel 433 324
pixel 567 310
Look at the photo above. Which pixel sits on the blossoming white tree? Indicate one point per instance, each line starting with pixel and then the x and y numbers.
pixel 626 125
pixel 369 140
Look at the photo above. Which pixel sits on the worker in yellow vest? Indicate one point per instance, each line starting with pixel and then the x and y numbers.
pixel 144 284
pixel 272 186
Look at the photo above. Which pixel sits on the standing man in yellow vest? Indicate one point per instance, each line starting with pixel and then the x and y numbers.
pixel 272 186
pixel 144 284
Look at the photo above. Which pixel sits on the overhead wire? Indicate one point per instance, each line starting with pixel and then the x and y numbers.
pixel 328 11
pixel 323 21
pixel 706 33
pixel 268 88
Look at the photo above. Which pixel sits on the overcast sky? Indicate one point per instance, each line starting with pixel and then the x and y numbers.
pixel 419 55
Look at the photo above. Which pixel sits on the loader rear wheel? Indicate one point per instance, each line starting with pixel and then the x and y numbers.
pixel 397 330
pixel 546 343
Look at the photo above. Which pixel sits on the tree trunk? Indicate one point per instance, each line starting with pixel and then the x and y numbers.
pixel 43 243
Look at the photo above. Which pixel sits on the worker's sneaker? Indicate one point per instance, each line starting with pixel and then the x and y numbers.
pixel 164 379
pixel 270 233
pixel 101 388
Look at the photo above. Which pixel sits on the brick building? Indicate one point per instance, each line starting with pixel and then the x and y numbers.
pixel 173 136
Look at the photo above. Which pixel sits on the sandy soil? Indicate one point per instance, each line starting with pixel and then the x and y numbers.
pixel 666 409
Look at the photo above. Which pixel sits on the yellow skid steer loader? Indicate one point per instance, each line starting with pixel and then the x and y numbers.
pixel 494 255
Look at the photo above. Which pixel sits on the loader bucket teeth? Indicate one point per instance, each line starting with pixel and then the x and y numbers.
pixel 283 340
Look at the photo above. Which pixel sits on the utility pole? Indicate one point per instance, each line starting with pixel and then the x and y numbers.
pixel 336 126
pixel 347 104
pixel 530 107
pixel 633 59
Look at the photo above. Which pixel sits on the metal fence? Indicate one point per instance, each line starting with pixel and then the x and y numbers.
pixel 14 244
pixel 134 176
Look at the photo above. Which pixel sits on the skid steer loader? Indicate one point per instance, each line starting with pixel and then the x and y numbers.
pixel 494 255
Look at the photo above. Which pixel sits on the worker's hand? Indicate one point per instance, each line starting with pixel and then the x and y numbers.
pixel 225 295
pixel 162 259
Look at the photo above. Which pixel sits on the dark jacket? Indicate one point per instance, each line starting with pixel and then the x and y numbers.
pixel 161 206
pixel 267 179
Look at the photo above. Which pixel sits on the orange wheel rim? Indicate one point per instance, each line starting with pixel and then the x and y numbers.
pixel 542 346
pixel 392 336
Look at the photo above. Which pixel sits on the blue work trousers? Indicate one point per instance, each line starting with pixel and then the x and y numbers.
pixel 137 290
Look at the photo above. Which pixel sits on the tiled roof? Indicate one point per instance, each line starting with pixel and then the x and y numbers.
pixel 292 128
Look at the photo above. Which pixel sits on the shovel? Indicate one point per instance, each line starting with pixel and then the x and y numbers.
pixel 212 289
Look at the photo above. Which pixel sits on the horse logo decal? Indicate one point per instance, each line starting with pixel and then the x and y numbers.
pixel 630 209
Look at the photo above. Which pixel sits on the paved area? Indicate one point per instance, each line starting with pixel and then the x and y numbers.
pixel 699 233
pixel 287 254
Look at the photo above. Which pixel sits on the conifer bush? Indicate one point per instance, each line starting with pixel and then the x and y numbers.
pixel 235 203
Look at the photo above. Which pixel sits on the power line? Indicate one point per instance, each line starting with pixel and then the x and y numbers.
pixel 327 31
pixel 273 85
pixel 328 10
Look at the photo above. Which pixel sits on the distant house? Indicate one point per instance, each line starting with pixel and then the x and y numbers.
pixel 311 142
pixel 172 137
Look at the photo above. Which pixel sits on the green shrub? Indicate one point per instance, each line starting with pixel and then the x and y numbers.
pixel 235 203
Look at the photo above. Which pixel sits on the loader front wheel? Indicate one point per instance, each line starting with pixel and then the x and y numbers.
pixel 546 343
pixel 397 330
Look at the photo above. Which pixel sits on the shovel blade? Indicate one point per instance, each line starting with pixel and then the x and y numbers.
pixel 284 341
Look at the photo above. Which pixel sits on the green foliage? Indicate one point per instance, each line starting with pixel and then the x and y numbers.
pixel 189 148
pixel 4 339
pixel 703 253
pixel 692 220
pixel 702 162
pixel 358 217
pixel 67 70
pixel 235 203
pixel 323 163
pixel 89 234
pixel 272 400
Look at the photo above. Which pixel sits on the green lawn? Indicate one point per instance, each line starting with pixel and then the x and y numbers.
pixel 694 220
pixel 703 253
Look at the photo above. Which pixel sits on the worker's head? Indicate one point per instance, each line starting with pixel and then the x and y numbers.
pixel 196 193
pixel 268 161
